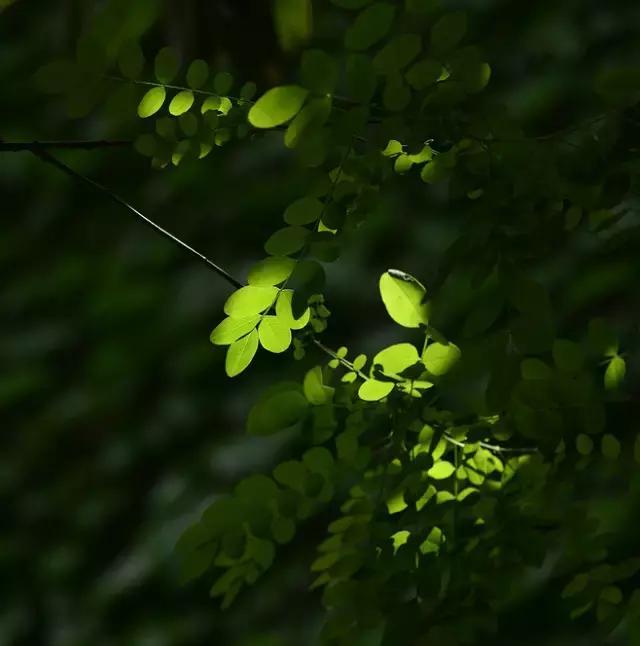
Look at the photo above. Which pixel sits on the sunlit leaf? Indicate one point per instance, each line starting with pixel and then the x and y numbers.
pixel 181 102
pixel 231 329
pixel 151 102
pixel 277 106
pixel 240 353
pixel 373 390
pixel 404 298
pixel 250 300
pixel 274 334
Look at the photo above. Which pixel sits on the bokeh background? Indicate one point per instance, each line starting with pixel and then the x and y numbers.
pixel 118 423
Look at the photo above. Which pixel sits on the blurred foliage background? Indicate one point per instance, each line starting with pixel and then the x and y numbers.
pixel 119 425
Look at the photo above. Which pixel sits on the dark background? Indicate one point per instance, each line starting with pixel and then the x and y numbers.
pixel 118 423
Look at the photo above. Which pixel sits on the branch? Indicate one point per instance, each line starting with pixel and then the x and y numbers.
pixel 491 447
pixel 47 157
pixel 32 146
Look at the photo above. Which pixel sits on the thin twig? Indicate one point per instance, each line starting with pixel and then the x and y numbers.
pixel 50 159
pixel 491 447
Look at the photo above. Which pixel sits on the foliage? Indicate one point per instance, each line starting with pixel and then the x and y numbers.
pixel 456 462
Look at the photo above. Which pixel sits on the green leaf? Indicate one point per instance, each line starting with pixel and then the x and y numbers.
pixel 151 102
pixel 370 26
pixel 308 121
pixel 240 353
pixel 286 241
pixel 277 106
pixel 275 335
pixel 441 470
pixel 271 271
pixel 166 65
pixel 279 408
pixel 615 373
pixel 222 82
pixel 197 74
pixel 373 390
pixel 404 298
pixel 315 390
pixel 318 71
pixel 361 78
pixel 584 444
pixel 610 447
pixel 250 300
pixel 293 21
pixel 424 73
pixel 568 356
pixel 397 53
pixel 303 211
pixel 396 358
pixel 181 103
pixel 447 33
pixel 231 329
pixel 285 313
pixel 440 358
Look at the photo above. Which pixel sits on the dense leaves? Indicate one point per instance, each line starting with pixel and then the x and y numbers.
pixel 451 471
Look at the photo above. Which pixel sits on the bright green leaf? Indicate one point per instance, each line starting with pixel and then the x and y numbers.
pixel 250 300
pixel 231 329
pixel 274 334
pixel 373 390
pixel 403 297
pixel 240 353
pixel 286 241
pixel 181 102
pixel 397 358
pixel 151 102
pixel 440 358
pixel 277 106
pixel 615 373
pixel 271 271
pixel 441 470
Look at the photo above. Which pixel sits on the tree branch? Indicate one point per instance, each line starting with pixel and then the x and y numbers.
pixel 50 159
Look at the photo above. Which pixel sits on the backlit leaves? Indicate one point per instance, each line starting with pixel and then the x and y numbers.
pixel 274 334
pixel 240 354
pixel 404 298
pixel 250 300
pixel 277 106
pixel 440 358
pixel 151 102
